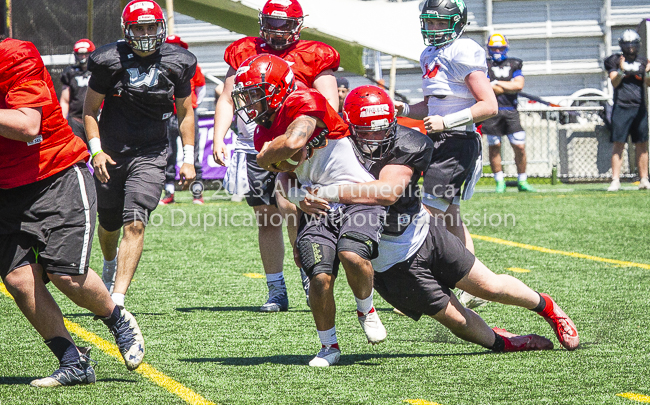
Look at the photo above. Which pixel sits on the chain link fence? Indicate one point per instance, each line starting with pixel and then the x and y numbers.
pixel 571 143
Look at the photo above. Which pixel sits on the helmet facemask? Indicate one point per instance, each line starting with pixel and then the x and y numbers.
pixel 145 43
pixel 280 32
pixel 630 49
pixel 374 141
pixel 251 102
pixel 81 58
pixel 498 53
pixel 437 36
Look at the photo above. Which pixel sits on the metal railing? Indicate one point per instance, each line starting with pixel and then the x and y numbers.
pixel 572 143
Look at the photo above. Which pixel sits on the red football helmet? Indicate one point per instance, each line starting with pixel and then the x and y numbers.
pixel 262 83
pixel 81 50
pixel 280 23
pixel 370 113
pixel 176 40
pixel 140 12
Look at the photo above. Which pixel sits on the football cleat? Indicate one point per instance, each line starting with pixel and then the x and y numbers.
pixel 564 328
pixel 524 186
pixel 167 199
pixel 327 356
pixel 516 343
pixel 614 185
pixel 470 301
pixel 129 340
pixel 108 274
pixel 81 373
pixel 501 186
pixel 305 284
pixel 198 201
pixel 276 303
pixel 372 326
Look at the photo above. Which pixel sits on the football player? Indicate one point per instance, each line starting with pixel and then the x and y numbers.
pixel 313 64
pixel 457 94
pixel 629 73
pixel 302 122
pixel 75 82
pixel 139 81
pixel 507 81
pixel 419 261
pixel 47 218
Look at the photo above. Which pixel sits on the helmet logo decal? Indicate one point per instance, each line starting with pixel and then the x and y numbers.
pixel 83 44
pixel 374 110
pixel 289 77
pixel 383 123
pixel 142 5
pixel 285 3
pixel 279 13
pixel 242 70
pixel 460 4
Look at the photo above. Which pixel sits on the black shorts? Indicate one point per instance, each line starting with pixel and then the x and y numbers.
pixel 452 163
pixel 261 183
pixel 50 222
pixel 423 283
pixel 629 120
pixel 133 191
pixel 319 238
pixel 506 122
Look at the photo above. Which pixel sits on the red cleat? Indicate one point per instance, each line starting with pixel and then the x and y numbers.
pixel 564 328
pixel 516 343
pixel 167 199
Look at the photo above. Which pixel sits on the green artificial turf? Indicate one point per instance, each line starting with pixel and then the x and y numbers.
pixel 198 313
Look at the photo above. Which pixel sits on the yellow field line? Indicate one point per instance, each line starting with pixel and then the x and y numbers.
pixel 254 275
pixel 635 397
pixel 560 252
pixel 518 270
pixel 145 369
pixel 419 402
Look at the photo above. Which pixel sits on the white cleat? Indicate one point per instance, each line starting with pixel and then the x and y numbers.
pixel 372 326
pixel 470 301
pixel 327 356
pixel 108 274
pixel 614 185
pixel 644 184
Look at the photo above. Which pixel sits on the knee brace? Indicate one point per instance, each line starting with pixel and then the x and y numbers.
pixel 317 258
pixel 110 218
pixel 359 244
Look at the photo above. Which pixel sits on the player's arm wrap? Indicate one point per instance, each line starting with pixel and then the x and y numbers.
pixel 329 193
pixel 406 110
pixel 459 118
pixel 295 195
pixel 188 154
pixel 95 146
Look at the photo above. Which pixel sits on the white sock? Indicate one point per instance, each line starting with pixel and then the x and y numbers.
pixel 522 177
pixel 169 187
pixel 327 337
pixel 118 299
pixel 498 176
pixel 364 305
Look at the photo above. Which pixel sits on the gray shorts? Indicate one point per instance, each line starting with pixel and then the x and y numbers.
pixel 320 239
pixel 133 191
pixel 422 284
pixel 50 222
pixel 261 183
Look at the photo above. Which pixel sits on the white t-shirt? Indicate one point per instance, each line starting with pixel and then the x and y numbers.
pixel 396 249
pixel 444 71
pixel 244 142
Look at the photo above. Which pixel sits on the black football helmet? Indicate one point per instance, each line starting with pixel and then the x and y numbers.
pixel 442 21
pixel 630 43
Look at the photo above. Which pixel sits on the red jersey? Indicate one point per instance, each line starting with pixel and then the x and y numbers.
pixel 198 80
pixel 303 102
pixel 307 59
pixel 24 82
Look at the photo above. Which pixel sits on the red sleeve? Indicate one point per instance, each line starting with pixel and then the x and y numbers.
pixel 327 58
pixel 240 50
pixel 198 79
pixel 33 93
pixel 310 103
